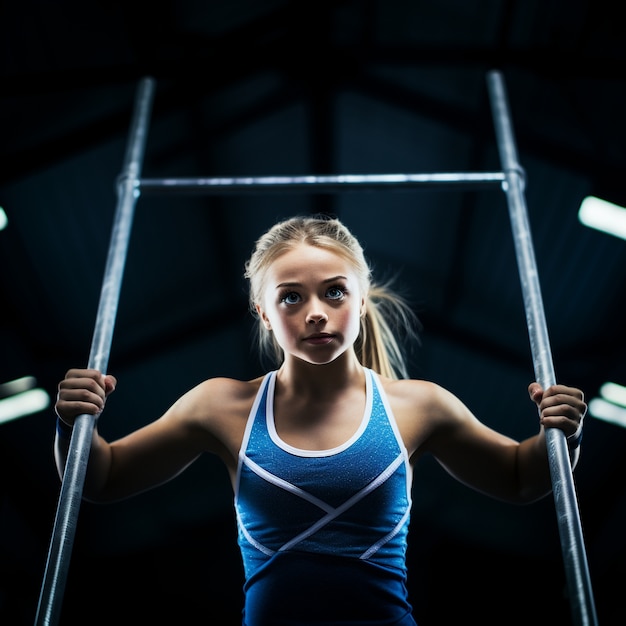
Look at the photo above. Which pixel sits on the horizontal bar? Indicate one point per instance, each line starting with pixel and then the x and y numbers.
pixel 318 184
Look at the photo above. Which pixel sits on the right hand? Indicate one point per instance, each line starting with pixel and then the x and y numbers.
pixel 83 391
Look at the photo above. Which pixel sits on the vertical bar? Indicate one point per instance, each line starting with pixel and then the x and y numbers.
pixel 574 557
pixel 51 597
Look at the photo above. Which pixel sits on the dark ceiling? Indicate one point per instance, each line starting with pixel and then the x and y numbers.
pixel 254 88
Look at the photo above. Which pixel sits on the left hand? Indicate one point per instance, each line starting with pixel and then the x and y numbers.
pixel 560 407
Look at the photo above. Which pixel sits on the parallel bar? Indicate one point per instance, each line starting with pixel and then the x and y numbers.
pixel 329 184
pixel 51 598
pixel 129 187
pixel 572 545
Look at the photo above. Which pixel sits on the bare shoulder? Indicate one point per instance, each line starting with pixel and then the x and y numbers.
pixel 423 408
pixel 216 410
pixel 229 388
pixel 219 396
pixel 420 395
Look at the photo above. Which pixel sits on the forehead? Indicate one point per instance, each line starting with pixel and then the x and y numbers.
pixel 305 262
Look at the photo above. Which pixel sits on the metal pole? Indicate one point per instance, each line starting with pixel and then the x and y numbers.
pixel 572 545
pixel 328 184
pixel 59 554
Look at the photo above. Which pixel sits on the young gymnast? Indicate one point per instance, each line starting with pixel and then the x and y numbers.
pixel 320 450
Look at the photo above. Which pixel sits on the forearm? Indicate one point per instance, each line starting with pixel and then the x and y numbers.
pixel 534 467
pixel 98 464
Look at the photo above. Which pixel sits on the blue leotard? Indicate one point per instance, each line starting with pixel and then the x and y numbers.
pixel 323 534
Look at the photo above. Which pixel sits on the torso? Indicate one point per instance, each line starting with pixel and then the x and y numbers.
pixel 309 424
pixel 351 499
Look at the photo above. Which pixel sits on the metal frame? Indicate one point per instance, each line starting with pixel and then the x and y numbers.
pixel 130 184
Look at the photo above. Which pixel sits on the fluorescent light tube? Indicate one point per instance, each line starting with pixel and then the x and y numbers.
pixel 604 216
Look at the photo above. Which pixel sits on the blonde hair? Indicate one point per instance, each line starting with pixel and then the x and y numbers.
pixel 386 312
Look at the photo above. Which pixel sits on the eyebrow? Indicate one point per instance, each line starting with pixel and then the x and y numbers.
pixel 325 281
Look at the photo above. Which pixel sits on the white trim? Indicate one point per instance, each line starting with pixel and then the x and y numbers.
pixel 271 424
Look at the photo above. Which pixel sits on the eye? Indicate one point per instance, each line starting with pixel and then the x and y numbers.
pixel 336 293
pixel 291 297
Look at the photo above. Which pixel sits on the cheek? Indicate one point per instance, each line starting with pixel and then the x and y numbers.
pixel 279 324
pixel 352 321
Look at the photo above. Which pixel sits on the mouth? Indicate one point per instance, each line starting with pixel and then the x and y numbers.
pixel 319 338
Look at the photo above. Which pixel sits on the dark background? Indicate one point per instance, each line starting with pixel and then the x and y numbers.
pixel 247 88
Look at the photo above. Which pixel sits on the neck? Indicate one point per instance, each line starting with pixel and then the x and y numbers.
pixel 306 379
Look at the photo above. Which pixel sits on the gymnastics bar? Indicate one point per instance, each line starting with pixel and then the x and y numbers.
pixel 511 180
pixel 129 187
pixel 570 530
pixel 319 184
pixel 59 554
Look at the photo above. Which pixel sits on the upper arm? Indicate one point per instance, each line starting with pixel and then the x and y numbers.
pixel 149 457
pixel 469 450
pixel 200 421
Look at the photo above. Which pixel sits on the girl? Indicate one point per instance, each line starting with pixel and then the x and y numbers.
pixel 320 451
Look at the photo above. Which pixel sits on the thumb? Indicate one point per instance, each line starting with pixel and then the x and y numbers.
pixel 110 382
pixel 535 391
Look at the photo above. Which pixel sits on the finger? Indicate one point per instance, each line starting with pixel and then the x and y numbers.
pixel 564 390
pixel 83 373
pixel 562 401
pixel 72 409
pixel 72 394
pixel 535 391
pixel 95 386
pixel 568 426
pixel 110 382
pixel 567 417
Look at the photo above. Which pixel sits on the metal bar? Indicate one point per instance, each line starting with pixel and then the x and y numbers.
pixel 319 184
pixel 59 554
pixel 576 570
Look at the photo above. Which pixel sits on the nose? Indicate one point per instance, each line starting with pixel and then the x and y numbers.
pixel 316 314
pixel 316 318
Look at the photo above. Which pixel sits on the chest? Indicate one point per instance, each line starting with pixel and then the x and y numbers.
pixel 318 424
pixel 346 461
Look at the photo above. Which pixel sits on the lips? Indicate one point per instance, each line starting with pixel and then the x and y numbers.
pixel 319 338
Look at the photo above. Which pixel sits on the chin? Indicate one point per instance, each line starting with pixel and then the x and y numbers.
pixel 317 360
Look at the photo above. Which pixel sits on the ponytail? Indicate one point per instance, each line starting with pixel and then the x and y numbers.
pixel 387 315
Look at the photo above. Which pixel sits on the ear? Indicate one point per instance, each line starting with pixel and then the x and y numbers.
pixel 263 317
pixel 363 307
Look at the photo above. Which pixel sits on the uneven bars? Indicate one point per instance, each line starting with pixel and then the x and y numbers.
pixel 129 187
pixel 51 597
pixel 319 184
pixel 570 530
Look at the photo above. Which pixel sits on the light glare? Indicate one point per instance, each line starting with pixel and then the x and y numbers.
pixel 17 386
pixel 614 393
pixel 604 216
pixel 608 412
pixel 22 404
